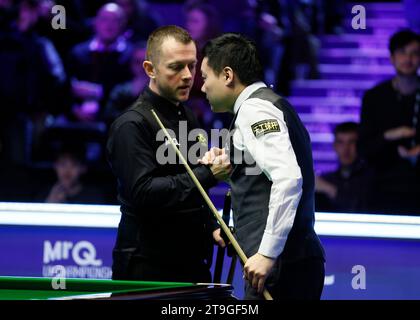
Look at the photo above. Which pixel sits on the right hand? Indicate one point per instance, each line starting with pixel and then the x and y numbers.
pixel 409 153
pixel 87 90
pixel 221 167
pixel 323 186
pixel 218 238
pixel 57 194
pixel 210 155
pixel 399 133
pixel 87 111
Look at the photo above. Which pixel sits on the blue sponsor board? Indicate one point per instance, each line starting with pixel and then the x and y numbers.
pixel 368 256
pixel 36 250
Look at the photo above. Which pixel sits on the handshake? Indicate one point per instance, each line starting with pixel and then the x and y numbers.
pixel 219 163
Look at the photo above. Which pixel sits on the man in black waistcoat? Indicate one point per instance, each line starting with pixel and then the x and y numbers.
pixel 165 232
pixel 272 177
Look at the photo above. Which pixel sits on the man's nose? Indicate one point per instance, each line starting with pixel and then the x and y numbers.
pixel 187 73
pixel 203 89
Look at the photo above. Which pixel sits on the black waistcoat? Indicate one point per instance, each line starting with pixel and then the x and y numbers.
pixel 251 193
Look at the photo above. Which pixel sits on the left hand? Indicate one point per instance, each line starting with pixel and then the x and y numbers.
pixel 408 153
pixel 218 238
pixel 211 155
pixel 87 111
pixel 256 270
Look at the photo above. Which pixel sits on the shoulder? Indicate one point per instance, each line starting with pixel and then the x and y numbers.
pixel 132 118
pixel 80 49
pixel 380 89
pixel 256 109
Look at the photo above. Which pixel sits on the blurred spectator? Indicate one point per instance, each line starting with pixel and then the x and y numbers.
pixel 123 95
pixel 69 167
pixel 347 188
pixel 390 129
pixel 238 15
pixel 32 79
pixel 77 28
pixel 269 38
pixel 333 13
pixel 97 65
pixel 141 20
pixel 412 14
pixel 295 24
pixel 203 23
pixel 7 13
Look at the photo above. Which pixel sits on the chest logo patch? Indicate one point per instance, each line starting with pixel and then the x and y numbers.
pixel 266 126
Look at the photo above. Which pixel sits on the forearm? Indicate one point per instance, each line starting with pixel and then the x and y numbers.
pixel 284 200
pixel 168 191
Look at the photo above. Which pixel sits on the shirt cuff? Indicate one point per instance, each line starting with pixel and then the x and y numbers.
pixel 271 245
pixel 205 176
pixel 214 225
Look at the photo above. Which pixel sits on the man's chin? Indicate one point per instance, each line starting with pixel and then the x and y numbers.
pixel 407 73
pixel 183 97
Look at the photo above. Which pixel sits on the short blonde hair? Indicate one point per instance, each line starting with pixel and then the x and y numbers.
pixel 156 38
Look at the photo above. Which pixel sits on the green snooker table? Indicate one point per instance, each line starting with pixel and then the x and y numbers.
pixel 23 288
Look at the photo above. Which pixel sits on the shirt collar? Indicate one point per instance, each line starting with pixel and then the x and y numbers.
pixel 246 93
pixel 161 104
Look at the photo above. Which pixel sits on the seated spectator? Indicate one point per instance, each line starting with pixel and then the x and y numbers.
pixel 97 65
pixel 32 79
pixel 390 129
pixel 346 189
pixel 77 27
pixel 69 167
pixel 123 95
pixel 301 45
pixel 141 20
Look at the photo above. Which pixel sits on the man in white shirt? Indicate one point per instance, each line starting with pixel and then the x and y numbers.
pixel 272 179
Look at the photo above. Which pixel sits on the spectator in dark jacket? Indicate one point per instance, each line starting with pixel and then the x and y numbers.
pixel 97 65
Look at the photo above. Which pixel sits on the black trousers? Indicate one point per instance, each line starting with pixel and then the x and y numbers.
pixel 299 280
pixel 143 269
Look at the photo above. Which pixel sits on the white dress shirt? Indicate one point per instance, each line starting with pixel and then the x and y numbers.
pixel 274 155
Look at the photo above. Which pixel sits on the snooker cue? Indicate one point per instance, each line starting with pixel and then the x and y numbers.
pixel 223 225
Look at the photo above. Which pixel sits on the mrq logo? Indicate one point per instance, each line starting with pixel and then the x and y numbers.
pixel 76 260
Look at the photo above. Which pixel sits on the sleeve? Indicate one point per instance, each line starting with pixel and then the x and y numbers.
pixel 274 155
pixel 372 143
pixel 133 162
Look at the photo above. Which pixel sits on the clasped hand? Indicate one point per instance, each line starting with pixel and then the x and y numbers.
pixel 219 163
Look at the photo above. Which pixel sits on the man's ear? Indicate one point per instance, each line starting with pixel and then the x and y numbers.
pixel 228 76
pixel 149 68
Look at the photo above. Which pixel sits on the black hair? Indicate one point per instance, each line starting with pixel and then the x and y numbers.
pixel 401 39
pixel 237 52
pixel 75 151
pixel 213 26
pixel 346 127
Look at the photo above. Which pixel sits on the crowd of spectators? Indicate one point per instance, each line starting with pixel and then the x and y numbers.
pixel 58 87
pixel 378 160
